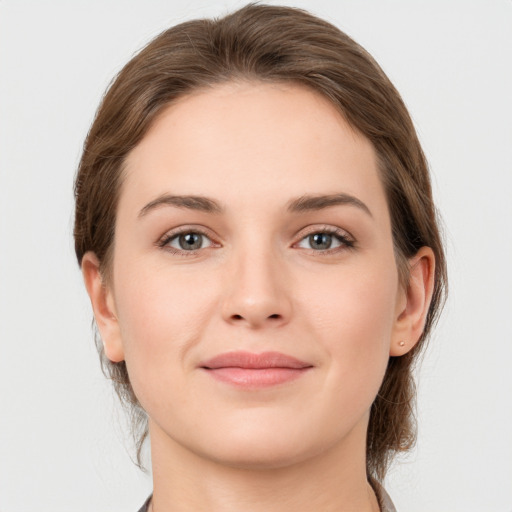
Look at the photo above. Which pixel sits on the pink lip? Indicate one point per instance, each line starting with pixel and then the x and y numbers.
pixel 248 370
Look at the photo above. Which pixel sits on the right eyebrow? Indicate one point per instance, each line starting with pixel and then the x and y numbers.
pixel 200 203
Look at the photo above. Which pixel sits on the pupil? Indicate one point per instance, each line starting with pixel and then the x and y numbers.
pixel 190 241
pixel 320 240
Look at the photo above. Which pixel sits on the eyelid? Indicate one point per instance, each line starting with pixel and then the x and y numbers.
pixel 324 228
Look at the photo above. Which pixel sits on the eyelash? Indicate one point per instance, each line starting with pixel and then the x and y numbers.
pixel 345 240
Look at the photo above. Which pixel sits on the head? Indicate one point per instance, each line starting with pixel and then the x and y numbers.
pixel 267 53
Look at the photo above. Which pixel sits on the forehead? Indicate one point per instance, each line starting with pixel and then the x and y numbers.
pixel 251 141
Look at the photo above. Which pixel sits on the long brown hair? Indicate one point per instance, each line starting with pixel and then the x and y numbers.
pixel 275 44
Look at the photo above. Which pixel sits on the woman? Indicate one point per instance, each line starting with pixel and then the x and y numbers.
pixel 256 231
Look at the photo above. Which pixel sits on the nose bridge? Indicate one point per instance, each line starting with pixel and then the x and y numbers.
pixel 258 294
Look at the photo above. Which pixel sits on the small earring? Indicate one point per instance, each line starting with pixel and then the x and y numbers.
pixel 402 343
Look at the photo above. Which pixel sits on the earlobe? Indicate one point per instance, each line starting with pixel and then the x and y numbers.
pixel 413 306
pixel 103 306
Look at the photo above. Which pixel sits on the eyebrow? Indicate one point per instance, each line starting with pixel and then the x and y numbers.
pixel 302 204
pixel 319 202
pixel 200 203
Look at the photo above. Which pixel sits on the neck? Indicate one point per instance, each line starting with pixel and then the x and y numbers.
pixel 334 481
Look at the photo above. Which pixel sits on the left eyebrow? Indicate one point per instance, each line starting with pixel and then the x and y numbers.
pixel 319 202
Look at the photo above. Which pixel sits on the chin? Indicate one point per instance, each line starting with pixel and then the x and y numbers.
pixel 259 455
pixel 265 445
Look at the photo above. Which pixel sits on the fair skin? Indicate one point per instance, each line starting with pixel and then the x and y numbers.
pixel 291 253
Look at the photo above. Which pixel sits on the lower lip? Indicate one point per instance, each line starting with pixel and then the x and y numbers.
pixel 252 378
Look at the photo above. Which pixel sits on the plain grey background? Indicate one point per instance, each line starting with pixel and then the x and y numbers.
pixel 63 446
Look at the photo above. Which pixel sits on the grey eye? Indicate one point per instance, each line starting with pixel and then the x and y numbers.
pixel 320 241
pixel 323 241
pixel 190 241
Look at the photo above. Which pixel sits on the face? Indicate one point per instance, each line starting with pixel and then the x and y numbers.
pixel 254 285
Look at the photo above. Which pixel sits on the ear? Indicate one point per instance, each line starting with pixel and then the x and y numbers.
pixel 103 305
pixel 413 303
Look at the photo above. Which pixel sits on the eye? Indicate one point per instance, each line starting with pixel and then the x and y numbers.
pixel 324 241
pixel 187 241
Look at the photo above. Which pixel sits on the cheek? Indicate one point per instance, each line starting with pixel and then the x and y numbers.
pixel 162 315
pixel 354 314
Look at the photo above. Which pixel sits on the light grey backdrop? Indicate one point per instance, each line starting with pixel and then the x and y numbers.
pixel 62 444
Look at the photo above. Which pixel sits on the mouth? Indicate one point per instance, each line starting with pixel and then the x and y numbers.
pixel 249 370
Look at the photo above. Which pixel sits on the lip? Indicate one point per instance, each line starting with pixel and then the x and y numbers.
pixel 250 370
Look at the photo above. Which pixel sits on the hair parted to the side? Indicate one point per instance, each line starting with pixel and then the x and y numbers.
pixel 274 44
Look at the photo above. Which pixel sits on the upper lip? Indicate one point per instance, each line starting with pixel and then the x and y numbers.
pixel 249 360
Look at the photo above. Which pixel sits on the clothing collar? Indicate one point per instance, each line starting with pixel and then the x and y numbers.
pixel 385 503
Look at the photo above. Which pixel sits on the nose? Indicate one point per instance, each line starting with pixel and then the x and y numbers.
pixel 258 294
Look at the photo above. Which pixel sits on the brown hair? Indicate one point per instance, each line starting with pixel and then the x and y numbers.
pixel 276 44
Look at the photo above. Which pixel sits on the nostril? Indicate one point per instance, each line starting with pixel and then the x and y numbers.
pixel 275 316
